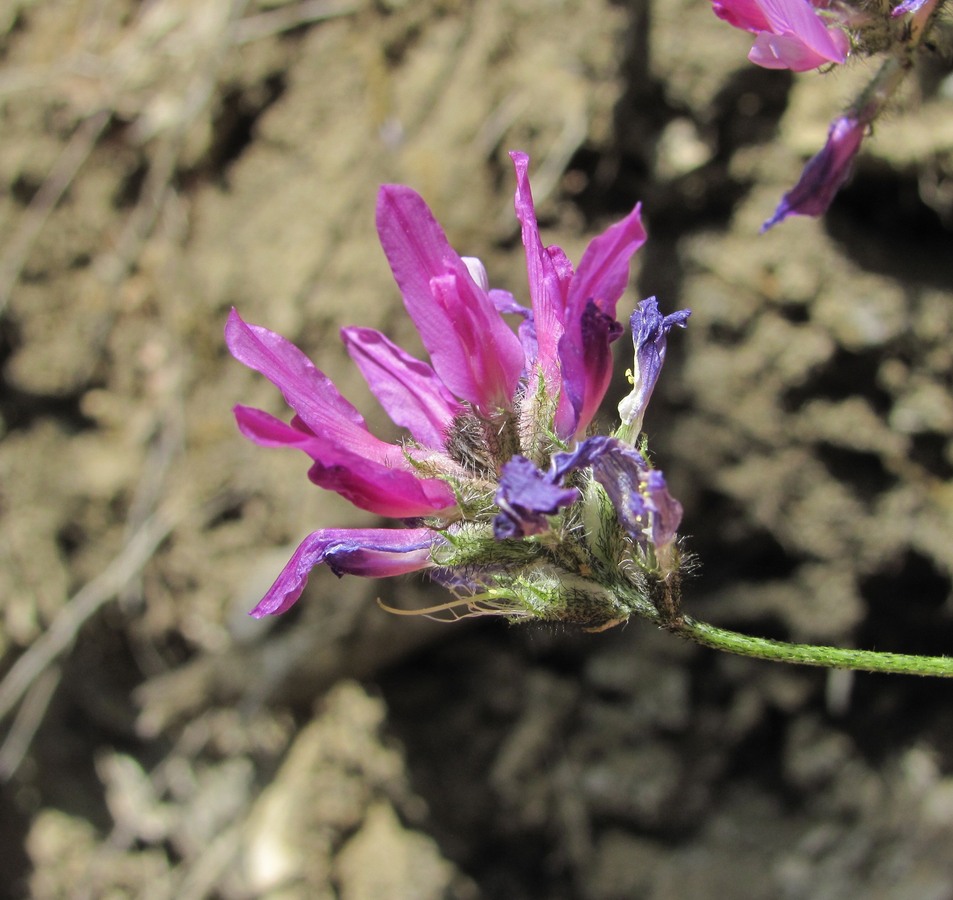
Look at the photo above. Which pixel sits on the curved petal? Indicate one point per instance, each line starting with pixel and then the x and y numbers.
pixel 800 19
pixel 743 14
pixel 544 285
pixel 368 484
pixel 370 552
pixel 471 347
pixel 408 389
pixel 791 34
pixel 306 389
pixel 603 272
pixel 785 51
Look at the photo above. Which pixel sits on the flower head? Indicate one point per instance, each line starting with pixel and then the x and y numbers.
pixel 824 173
pixel 491 496
pixel 790 34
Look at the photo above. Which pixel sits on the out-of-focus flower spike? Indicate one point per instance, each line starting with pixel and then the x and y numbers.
pixel 824 174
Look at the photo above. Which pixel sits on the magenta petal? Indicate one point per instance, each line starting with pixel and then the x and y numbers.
pixel 591 326
pixel 371 552
pixel 306 389
pixel 743 14
pixel 550 274
pixel 471 347
pixel 791 34
pixel 603 271
pixel 781 51
pixel 408 389
pixel 545 287
pixel 800 19
pixel 368 484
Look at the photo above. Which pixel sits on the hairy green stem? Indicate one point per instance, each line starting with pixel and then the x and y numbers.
pixel 808 654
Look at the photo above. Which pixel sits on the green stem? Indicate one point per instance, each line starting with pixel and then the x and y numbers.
pixel 809 654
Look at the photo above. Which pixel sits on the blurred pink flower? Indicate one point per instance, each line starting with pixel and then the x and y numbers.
pixel 790 34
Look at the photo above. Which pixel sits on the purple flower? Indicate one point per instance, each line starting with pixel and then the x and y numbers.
pixel 489 406
pixel 790 34
pixel 644 507
pixel 824 173
pixel 649 333
pixel 525 498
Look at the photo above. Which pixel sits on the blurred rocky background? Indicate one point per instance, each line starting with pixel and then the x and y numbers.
pixel 162 161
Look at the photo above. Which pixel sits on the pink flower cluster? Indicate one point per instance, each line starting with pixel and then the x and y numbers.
pixel 488 396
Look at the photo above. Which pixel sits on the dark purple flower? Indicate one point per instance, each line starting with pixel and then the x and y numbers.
pixel 644 507
pixel 824 173
pixel 790 34
pixel 525 498
pixel 649 335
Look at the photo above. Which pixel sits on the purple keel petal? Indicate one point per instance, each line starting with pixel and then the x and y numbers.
pixel 371 552
pixel 368 484
pixel 526 496
pixel 408 389
pixel 472 349
pixel 586 357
